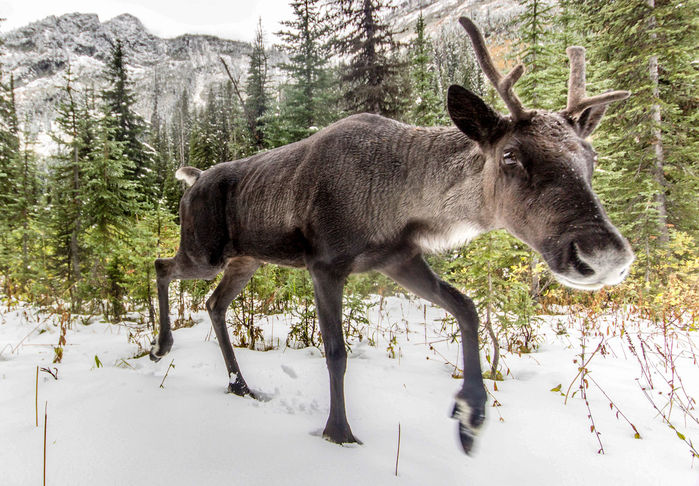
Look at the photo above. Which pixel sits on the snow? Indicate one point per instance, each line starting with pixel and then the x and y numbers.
pixel 115 424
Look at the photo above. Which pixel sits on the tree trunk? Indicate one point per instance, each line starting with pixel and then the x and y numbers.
pixel 488 323
pixel 534 277
pixel 74 247
pixel 657 140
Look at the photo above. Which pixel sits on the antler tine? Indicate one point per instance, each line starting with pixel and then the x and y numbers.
pixel 576 82
pixel 503 85
pixel 577 101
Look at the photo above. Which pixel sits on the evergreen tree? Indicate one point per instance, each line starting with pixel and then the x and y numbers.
pixel 544 85
pixel 455 64
pixel 180 128
pixel 306 103
pixel 110 201
pixel 162 160
pixel 9 148
pixel 371 75
pixel 9 158
pixel 427 105
pixel 128 127
pixel 65 218
pixel 564 32
pixel 25 207
pixel 202 148
pixel 215 129
pixel 257 102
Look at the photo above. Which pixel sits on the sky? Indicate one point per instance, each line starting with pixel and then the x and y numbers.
pixel 230 19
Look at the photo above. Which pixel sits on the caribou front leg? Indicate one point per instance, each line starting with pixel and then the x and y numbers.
pixel 164 272
pixel 327 285
pixel 415 275
pixel 167 270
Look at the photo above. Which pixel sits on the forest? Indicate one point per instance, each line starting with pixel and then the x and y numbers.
pixel 80 228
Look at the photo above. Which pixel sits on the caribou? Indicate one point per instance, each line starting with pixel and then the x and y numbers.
pixel 370 193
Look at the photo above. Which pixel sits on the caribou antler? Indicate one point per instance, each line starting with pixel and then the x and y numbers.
pixel 503 85
pixel 577 102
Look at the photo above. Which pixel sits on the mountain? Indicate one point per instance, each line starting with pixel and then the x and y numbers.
pixel 490 15
pixel 39 53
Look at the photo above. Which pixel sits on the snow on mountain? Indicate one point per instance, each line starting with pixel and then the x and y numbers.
pixel 491 15
pixel 39 54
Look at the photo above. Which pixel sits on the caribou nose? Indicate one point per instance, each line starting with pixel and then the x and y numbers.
pixel 607 264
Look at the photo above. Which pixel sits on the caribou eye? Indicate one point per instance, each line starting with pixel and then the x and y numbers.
pixel 509 158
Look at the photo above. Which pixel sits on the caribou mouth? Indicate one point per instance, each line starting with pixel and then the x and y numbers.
pixel 578 264
pixel 569 282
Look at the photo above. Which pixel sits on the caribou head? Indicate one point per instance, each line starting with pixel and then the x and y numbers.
pixel 538 169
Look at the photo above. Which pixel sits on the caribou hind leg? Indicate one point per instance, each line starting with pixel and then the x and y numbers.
pixel 416 276
pixel 236 276
pixel 328 283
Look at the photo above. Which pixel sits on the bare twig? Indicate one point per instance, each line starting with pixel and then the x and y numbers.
pixel 680 435
pixel 637 435
pixel 36 397
pixel 582 369
pixel 496 403
pixel 12 351
pixel 166 372
pixel 53 373
pixel 398 450
pixel 46 406
pixel 252 125
pixel 593 427
pixel 457 370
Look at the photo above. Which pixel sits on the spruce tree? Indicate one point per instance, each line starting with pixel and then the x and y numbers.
pixel 127 126
pixel 215 129
pixel 65 216
pixel 543 86
pixel 110 201
pixel 9 159
pixel 25 206
pixel 307 101
pixel 180 128
pixel 9 148
pixel 257 101
pixel 426 103
pixel 202 148
pixel 455 63
pixel 162 157
pixel 372 72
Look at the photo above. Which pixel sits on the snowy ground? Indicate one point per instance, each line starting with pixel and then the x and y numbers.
pixel 115 425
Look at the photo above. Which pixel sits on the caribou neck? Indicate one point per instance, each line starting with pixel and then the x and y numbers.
pixel 454 202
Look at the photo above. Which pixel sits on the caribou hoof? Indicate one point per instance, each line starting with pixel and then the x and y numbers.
pixel 160 349
pixel 340 435
pixel 470 419
pixel 240 388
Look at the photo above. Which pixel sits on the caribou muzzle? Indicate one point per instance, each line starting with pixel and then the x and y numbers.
pixel 592 259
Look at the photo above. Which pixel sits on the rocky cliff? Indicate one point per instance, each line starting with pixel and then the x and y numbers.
pixel 39 54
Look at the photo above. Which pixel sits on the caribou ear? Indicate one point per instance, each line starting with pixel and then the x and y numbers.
pixel 589 119
pixel 472 116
